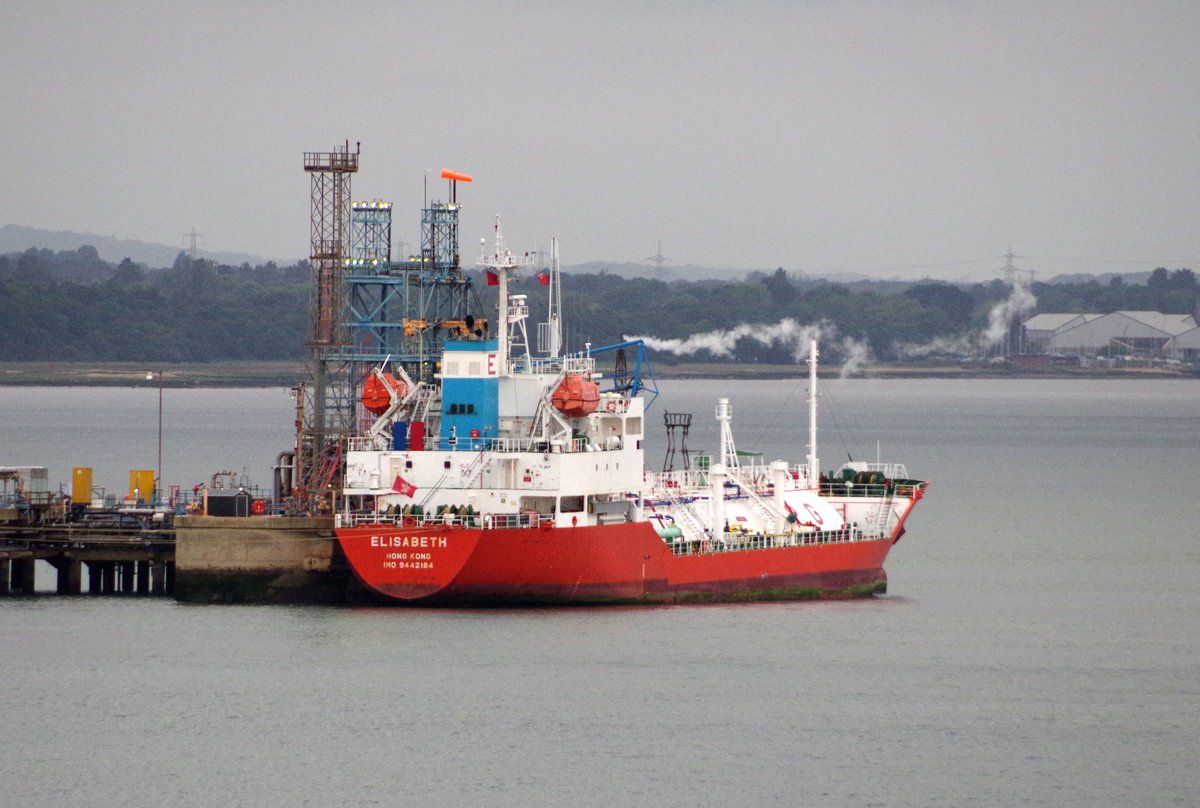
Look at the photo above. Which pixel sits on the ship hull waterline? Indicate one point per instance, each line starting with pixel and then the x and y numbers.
pixel 607 564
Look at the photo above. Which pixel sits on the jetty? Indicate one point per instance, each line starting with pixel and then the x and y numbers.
pixel 108 553
pixel 197 558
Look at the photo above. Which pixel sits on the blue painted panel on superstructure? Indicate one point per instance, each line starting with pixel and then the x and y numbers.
pixel 479 345
pixel 470 412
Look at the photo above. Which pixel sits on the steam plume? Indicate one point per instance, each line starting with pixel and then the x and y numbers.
pixel 787 333
pixel 1020 302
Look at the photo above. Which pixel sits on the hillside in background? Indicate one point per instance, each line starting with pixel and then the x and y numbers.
pixel 17 239
pixel 73 305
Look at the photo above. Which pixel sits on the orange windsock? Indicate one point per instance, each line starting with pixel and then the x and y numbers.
pixel 447 174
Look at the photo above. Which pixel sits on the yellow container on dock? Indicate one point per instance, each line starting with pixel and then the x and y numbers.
pixel 81 485
pixel 141 484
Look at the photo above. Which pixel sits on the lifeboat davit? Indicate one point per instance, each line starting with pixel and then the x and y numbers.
pixel 378 390
pixel 576 396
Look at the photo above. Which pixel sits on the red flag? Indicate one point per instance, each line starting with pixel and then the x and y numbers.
pixel 544 278
pixel 492 278
pixel 403 487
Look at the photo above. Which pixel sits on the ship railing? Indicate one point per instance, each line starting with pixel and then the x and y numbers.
pixel 889 470
pixel 491 521
pixel 499 445
pixel 899 487
pixel 367 443
pixel 583 365
pixel 735 543
pixel 671 485
pixel 408 520
pixel 515 445
pixel 510 521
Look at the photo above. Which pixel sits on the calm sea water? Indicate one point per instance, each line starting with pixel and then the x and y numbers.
pixel 1039 645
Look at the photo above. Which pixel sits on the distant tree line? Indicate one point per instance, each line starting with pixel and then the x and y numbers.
pixel 73 306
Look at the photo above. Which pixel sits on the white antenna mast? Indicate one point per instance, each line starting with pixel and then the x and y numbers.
pixel 814 468
pixel 729 456
pixel 555 301
pixel 550 339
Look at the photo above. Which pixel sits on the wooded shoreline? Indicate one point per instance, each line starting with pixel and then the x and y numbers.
pixel 289 374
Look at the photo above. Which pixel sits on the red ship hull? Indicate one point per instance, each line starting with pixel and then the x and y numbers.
pixel 624 563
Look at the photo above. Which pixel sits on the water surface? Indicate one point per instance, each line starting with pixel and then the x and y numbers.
pixel 1038 645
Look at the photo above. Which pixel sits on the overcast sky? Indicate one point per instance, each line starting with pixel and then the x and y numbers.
pixel 817 136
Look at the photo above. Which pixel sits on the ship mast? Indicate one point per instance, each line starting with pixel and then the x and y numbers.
pixel 814 469
pixel 550 332
pixel 729 457
pixel 500 263
pixel 555 303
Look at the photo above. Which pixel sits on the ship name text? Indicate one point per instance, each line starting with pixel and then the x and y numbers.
pixel 419 542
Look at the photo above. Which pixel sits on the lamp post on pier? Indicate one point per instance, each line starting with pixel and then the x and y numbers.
pixel 158 469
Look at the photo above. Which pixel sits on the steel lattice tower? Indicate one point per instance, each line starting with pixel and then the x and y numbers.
pixel 366 309
pixel 371 238
pixel 326 415
pixel 375 293
pixel 406 309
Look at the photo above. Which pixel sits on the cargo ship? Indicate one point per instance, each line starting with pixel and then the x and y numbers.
pixel 516 480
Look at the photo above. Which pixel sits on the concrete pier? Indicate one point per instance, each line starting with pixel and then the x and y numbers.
pixel 258 559
pixel 252 559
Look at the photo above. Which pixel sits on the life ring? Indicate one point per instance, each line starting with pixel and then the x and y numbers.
pixel 410 521
pixel 259 507
pixel 610 405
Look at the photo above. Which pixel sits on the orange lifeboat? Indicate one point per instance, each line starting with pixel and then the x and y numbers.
pixel 377 392
pixel 576 396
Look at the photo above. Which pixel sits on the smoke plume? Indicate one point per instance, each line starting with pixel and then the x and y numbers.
pixel 787 333
pixel 856 354
pixel 1019 303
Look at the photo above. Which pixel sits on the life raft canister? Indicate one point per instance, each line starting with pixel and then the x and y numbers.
pixel 576 396
pixel 377 391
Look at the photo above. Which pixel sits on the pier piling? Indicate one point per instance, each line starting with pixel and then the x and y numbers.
pixel 126 573
pixel 70 575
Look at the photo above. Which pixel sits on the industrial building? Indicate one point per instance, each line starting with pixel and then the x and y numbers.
pixel 1186 346
pixel 1038 331
pixel 1128 334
